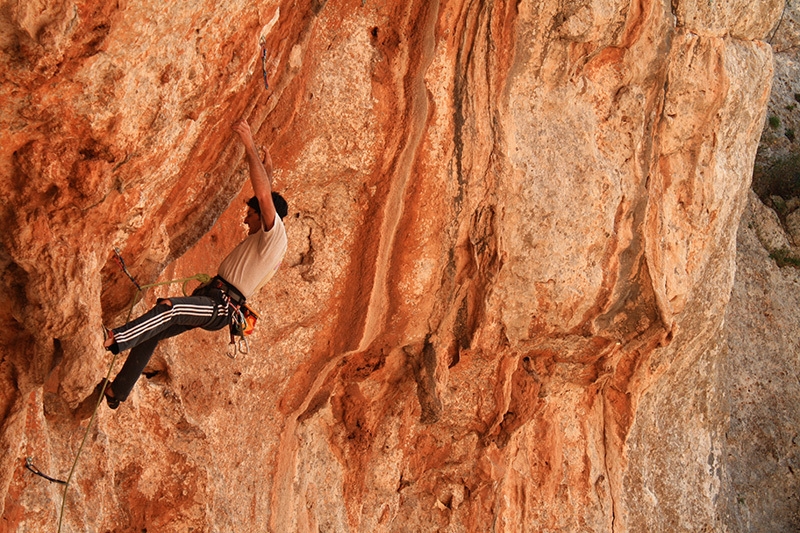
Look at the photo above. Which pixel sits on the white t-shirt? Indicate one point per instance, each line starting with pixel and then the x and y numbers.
pixel 256 259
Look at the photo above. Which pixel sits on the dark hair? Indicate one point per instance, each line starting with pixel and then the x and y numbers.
pixel 281 207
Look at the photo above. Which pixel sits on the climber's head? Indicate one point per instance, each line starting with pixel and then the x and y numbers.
pixel 253 217
pixel 281 206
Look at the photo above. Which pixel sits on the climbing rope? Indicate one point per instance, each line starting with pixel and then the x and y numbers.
pixel 202 278
pixel 777 27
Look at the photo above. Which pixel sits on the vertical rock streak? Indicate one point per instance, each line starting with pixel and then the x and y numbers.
pixel 417 56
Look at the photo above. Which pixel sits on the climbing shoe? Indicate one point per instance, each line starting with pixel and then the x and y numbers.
pixel 113 403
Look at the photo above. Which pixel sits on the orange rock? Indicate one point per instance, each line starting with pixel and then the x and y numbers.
pixel 512 225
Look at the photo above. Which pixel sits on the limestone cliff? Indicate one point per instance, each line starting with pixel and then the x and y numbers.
pixel 512 240
pixel 757 375
pixel 757 382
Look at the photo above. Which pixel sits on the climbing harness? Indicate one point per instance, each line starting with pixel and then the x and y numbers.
pixel 243 318
pixel 202 278
pixel 30 466
pixel 242 326
pixel 263 43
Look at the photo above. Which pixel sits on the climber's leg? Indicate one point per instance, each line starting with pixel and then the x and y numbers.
pixel 168 318
pixel 137 360
pixel 193 311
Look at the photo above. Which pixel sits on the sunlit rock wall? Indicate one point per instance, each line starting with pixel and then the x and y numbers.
pixel 512 238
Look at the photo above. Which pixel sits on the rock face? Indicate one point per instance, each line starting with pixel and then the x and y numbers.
pixel 758 380
pixel 778 158
pixel 512 241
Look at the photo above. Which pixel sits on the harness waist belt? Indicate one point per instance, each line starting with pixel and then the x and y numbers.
pixel 232 292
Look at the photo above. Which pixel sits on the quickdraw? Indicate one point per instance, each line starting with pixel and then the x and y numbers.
pixel 235 348
pixel 263 43
pixel 121 263
pixel 238 328
pixel 30 466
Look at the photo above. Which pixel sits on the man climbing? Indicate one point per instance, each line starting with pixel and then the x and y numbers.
pixel 242 273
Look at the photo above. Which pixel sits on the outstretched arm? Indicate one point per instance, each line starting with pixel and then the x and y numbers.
pixel 260 175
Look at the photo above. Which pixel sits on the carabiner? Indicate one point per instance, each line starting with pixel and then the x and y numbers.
pixel 231 350
pixel 246 349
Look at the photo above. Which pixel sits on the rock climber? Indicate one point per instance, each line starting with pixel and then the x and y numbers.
pixel 241 274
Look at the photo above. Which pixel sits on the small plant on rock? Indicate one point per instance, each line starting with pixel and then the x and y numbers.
pixel 784 258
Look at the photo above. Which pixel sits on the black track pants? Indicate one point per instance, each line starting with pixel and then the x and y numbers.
pixel 142 335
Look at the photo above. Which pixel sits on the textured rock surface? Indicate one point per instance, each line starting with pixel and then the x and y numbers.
pixel 777 170
pixel 512 239
pixel 760 385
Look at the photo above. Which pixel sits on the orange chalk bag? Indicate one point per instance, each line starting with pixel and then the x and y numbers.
pixel 250 319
